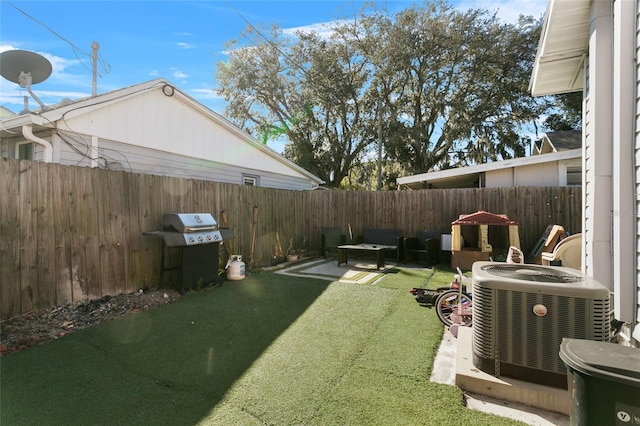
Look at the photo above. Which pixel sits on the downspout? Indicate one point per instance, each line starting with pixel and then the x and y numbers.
pixel 27 131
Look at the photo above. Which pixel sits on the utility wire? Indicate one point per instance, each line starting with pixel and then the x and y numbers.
pixel 269 41
pixel 76 50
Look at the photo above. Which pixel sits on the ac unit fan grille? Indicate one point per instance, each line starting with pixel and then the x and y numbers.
pixel 532 273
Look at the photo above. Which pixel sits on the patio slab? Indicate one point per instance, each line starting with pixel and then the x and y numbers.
pixel 356 272
pixel 529 402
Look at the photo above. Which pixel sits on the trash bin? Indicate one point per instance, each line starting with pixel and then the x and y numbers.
pixel 604 382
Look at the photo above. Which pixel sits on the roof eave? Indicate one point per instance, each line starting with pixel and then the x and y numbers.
pixel 484 167
pixel 563 47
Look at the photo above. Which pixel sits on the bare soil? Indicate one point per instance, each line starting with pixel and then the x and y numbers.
pixel 36 327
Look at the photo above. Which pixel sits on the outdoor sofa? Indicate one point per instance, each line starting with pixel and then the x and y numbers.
pixel 393 238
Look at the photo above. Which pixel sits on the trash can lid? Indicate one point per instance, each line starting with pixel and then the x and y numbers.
pixel 602 359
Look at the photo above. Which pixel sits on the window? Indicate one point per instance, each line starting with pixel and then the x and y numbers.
pixel 574 175
pixel 24 151
pixel 250 180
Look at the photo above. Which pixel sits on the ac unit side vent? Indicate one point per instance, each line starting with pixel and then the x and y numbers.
pixel 526 339
pixel 482 341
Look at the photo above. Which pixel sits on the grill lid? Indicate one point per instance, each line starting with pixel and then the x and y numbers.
pixel 189 222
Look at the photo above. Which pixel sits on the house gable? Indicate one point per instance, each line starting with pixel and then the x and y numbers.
pixel 155 128
pixel 172 124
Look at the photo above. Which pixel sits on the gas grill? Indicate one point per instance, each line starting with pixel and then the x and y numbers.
pixel 197 237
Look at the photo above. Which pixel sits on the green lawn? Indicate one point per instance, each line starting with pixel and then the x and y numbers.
pixel 270 349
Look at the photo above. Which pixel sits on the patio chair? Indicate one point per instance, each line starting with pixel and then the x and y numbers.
pixel 330 239
pixel 568 252
pixel 426 245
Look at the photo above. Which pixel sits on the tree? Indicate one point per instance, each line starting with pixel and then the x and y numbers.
pixel 310 91
pixel 447 87
pixel 460 87
pixel 568 115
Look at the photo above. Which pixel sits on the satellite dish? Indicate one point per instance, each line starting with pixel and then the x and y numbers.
pixel 16 62
pixel 25 68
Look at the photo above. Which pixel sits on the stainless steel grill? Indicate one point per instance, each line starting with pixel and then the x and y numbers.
pixel 199 236
pixel 188 229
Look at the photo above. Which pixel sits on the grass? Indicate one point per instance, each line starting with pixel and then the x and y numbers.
pixel 271 349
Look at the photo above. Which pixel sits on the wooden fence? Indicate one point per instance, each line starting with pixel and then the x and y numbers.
pixel 69 234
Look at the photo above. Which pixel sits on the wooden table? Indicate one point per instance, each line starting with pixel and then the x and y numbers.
pixel 378 249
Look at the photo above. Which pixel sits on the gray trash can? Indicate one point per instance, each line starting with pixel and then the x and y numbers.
pixel 604 382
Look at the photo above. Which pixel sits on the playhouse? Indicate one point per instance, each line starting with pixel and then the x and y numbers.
pixel 481 236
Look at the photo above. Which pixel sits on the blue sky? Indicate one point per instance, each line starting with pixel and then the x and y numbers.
pixel 180 41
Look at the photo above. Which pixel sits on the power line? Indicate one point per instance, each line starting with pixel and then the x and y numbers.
pixel 269 41
pixel 76 50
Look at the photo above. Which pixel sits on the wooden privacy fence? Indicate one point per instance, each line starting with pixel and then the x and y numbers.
pixel 69 234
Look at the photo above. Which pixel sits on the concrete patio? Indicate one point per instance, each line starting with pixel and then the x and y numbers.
pixel 527 402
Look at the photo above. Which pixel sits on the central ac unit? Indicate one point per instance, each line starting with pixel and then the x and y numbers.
pixel 521 313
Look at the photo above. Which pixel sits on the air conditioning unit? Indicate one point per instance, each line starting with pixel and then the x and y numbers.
pixel 521 313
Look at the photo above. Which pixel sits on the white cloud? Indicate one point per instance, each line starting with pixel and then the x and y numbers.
pixel 178 74
pixel 185 45
pixel 5 47
pixel 507 10
pixel 208 94
pixel 14 96
pixel 322 29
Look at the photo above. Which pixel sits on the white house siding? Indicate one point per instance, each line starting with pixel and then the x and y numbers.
pixel 636 327
pixel 597 133
pixel 146 160
pixel 179 129
pixel 563 167
pixel 75 150
pixel 543 174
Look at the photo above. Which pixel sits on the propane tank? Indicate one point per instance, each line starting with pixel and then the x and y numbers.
pixel 235 268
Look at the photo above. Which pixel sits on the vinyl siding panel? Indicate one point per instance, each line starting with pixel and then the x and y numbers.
pixel 499 178
pixel 75 150
pixel 543 174
pixel 153 120
pixel 587 190
pixel 635 328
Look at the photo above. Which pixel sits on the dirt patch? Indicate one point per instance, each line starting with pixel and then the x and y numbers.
pixel 40 326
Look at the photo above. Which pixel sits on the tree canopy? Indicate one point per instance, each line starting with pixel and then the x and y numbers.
pixel 441 87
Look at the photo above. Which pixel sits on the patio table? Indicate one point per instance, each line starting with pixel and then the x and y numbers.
pixel 378 249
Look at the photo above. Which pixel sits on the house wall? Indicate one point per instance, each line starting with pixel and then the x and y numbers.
pixel 611 142
pixel 173 125
pixel 562 170
pixel 635 327
pixel 544 174
pixel 146 131
pixel 597 148
pixel 74 149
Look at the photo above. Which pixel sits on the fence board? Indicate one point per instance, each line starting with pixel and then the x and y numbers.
pixel 45 239
pixel 62 230
pixel 28 279
pixel 74 233
pixel 9 239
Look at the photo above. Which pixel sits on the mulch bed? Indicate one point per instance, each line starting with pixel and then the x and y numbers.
pixel 39 326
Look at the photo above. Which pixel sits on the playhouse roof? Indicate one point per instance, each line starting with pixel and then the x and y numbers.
pixel 484 218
